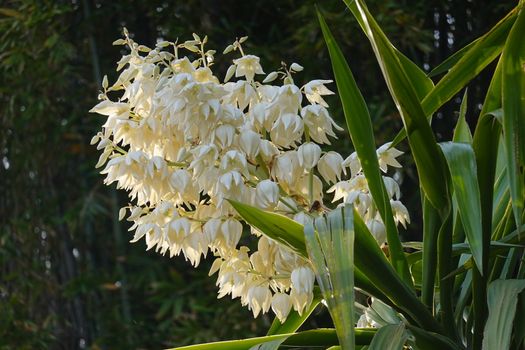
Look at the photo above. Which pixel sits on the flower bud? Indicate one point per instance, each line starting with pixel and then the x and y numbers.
pixel 296 67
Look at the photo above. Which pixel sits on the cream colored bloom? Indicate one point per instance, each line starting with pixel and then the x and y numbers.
pixel 330 166
pixel 182 144
pixel 314 91
pixel 387 156
pixel 247 66
pixel 308 155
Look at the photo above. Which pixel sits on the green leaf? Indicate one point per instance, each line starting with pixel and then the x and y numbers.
pixel 462 131
pixel 361 132
pixel 370 260
pixel 513 102
pixel 321 337
pixel 428 158
pixel 430 239
pixel 330 245
pixel 448 63
pixel 471 63
pixel 462 165
pixel 485 144
pixel 431 341
pixel 502 300
pixel 278 227
pixel 483 52
pixel 390 337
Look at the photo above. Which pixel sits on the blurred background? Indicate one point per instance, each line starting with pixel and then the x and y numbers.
pixel 69 279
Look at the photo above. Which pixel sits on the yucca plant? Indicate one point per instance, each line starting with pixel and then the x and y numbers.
pixel 462 286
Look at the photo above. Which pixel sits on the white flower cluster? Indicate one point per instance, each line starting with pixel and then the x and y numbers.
pixel 182 143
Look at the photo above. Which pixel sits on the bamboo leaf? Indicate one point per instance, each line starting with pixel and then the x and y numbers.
pixel 361 132
pixel 502 300
pixel 390 337
pixel 513 102
pixel 462 165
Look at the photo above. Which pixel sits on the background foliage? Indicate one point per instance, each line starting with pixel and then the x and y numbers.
pixel 68 277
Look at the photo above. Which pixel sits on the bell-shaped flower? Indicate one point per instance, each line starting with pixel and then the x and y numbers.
pixel 303 279
pixel 223 135
pixel 330 166
pixel 392 187
pixel 387 156
pixel 286 168
pixel 267 194
pixel 377 229
pixel 400 213
pixel 308 155
pixel 231 230
pixel 281 305
pixel 247 66
pixel 319 123
pixel 259 298
pixel 315 89
pixel 352 162
pixel 302 187
pixel 249 142
pixel 268 150
pixel 287 130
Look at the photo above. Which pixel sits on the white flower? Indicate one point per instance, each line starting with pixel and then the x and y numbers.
pixel 315 89
pixel 182 144
pixel 352 162
pixel 330 166
pixel 319 123
pixel 259 298
pixel 387 156
pixel 308 155
pixel 287 130
pixel 400 213
pixel 302 288
pixel 378 230
pixel 267 194
pixel 247 66
pixel 286 168
pixel 249 142
pixel 303 279
pixel 281 305
pixel 392 187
